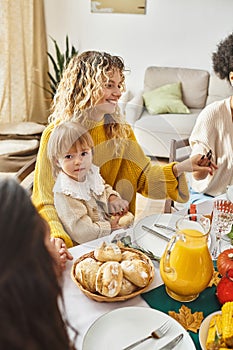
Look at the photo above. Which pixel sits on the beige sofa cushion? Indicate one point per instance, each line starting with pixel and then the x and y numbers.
pixel 155 132
pixel 15 153
pixel 218 89
pixel 23 130
pixel 180 124
pixel 19 143
pixel 194 83
pixel 18 147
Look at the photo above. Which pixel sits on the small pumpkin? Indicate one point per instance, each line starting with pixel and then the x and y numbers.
pixel 224 290
pixel 225 261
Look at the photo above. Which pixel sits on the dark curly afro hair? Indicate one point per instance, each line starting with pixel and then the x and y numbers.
pixel 223 58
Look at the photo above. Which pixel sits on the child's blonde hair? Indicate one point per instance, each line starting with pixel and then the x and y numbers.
pixel 62 138
pixel 81 88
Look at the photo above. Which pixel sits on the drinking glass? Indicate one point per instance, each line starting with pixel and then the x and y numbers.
pixel 221 223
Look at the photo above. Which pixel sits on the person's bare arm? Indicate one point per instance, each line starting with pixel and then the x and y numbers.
pixel 199 165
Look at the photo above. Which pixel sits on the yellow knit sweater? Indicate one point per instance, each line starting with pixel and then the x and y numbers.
pixel 128 172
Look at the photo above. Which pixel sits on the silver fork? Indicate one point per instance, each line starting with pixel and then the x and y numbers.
pixel 156 334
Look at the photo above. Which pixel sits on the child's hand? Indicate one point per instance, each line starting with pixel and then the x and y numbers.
pixel 114 222
pixel 117 205
pixel 62 250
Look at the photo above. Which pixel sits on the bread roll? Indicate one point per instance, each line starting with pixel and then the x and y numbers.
pixel 126 220
pixel 136 271
pixel 127 287
pixel 108 252
pixel 85 273
pixel 109 279
pixel 127 255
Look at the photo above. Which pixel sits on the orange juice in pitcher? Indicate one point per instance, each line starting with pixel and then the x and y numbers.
pixel 186 266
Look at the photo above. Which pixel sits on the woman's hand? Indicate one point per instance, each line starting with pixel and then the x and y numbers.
pixel 205 161
pixel 199 164
pixel 117 205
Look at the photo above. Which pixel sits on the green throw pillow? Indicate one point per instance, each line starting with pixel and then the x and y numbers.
pixel 165 99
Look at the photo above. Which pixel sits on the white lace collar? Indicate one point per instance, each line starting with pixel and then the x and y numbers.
pixel 80 190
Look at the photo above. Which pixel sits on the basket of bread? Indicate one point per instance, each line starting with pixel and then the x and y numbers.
pixel 112 273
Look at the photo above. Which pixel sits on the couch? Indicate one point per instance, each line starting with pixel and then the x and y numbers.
pixel 154 128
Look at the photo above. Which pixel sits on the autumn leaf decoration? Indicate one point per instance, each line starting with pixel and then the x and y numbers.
pixel 189 321
pixel 215 279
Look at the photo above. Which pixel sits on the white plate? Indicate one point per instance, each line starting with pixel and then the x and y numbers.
pixel 121 327
pixel 203 332
pixel 148 240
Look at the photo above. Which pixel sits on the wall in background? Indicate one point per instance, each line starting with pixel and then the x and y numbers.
pixel 181 33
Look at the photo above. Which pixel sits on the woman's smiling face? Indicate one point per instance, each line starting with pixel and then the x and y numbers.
pixel 111 94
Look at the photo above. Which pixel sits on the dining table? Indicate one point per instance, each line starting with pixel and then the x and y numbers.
pixel 82 311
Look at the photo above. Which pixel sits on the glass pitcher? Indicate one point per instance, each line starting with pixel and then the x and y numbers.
pixel 186 266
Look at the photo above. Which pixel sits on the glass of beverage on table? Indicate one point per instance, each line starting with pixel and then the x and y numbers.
pixel 186 266
pixel 221 224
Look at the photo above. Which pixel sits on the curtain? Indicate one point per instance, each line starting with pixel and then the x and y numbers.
pixel 24 62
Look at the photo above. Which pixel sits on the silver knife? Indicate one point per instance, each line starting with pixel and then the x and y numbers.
pixel 165 227
pixel 148 229
pixel 172 343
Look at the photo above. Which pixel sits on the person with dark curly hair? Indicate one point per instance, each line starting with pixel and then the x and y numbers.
pixel 214 131
pixel 30 271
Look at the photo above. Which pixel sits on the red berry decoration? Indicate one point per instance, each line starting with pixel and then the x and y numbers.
pixel 225 261
pixel 225 288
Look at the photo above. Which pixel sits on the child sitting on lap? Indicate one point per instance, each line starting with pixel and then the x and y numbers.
pixel 87 207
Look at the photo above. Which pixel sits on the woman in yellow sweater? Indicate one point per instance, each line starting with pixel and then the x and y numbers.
pixel 88 93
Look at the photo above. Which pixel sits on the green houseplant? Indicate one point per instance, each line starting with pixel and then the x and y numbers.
pixel 59 62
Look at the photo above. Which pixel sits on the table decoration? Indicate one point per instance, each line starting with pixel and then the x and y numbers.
pixel 215 279
pixel 225 261
pixel 225 287
pixel 189 321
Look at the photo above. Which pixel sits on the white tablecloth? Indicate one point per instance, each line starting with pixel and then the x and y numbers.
pixel 82 311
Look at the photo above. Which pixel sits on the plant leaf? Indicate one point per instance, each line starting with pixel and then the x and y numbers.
pixel 73 51
pixel 59 63
pixel 67 50
pixel 56 69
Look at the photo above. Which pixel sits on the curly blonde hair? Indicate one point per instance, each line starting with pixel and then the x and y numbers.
pixel 81 88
